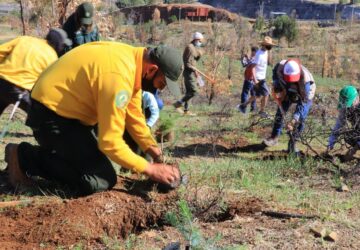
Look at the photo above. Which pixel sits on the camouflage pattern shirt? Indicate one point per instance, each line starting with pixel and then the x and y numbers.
pixel 190 56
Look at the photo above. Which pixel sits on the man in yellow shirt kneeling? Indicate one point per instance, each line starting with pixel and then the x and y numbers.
pixel 96 83
pixel 22 60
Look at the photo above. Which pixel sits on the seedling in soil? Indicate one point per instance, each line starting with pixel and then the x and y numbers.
pixel 184 222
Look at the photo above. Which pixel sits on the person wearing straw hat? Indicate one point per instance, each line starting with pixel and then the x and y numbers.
pixel 22 60
pixel 349 112
pixel 101 84
pixel 259 67
pixel 192 78
pixel 292 84
pixel 80 26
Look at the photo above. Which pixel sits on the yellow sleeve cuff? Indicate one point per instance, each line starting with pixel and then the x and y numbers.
pixel 140 165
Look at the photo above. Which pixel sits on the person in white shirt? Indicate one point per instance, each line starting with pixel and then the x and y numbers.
pixel 259 67
pixel 150 108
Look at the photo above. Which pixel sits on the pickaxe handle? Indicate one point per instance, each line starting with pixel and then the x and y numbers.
pixel 291 144
pixel 278 102
pixel 211 80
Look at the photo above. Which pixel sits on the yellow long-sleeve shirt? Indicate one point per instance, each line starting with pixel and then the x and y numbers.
pixel 23 59
pixel 100 82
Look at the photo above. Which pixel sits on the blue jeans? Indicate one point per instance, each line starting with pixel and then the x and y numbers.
pixel 302 110
pixel 261 89
pixel 248 88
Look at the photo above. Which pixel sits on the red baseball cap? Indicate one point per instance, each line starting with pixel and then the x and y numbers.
pixel 292 71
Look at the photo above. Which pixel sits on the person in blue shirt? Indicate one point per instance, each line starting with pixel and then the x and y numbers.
pixel 349 114
pixel 80 27
pixel 151 110
pixel 292 84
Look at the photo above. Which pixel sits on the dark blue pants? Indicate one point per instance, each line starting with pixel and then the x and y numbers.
pixel 9 94
pixel 301 108
pixel 248 88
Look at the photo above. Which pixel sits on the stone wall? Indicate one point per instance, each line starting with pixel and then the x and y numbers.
pixel 302 9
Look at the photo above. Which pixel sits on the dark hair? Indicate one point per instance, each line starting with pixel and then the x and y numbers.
pixel 55 40
pixel 254 48
pixel 268 47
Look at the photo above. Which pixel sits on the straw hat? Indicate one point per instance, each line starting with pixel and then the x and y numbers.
pixel 267 41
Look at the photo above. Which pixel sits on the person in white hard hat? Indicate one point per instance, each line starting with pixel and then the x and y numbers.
pixel 292 84
pixel 192 78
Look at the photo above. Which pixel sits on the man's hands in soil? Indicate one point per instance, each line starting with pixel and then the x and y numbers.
pixel 163 173
pixel 155 153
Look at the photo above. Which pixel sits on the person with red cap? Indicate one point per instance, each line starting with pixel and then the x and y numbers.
pixel 292 84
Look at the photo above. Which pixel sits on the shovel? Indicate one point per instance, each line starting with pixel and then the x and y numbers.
pixel 6 127
pixel 292 141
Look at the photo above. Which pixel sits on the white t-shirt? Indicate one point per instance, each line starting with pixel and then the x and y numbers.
pixel 261 61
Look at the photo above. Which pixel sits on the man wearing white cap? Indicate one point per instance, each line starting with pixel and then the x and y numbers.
pixel 191 55
pixel 259 67
pixel 292 83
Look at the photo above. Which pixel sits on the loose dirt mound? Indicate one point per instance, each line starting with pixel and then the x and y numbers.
pixel 235 207
pixel 131 207
pixel 64 222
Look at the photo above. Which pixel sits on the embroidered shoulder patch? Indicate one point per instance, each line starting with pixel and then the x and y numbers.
pixel 122 99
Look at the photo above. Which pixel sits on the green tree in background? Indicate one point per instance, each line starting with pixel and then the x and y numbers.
pixel 285 26
pixel 260 24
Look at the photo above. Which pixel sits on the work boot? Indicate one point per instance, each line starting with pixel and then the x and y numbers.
pixel 264 115
pixel 177 104
pixel 16 175
pixel 241 108
pixel 271 141
pixel 349 155
pixel 189 113
pixel 178 107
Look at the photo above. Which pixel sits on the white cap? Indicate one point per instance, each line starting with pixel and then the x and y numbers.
pixel 282 62
pixel 292 71
pixel 197 36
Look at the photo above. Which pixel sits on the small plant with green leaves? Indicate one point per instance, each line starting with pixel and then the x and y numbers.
pixel 167 122
pixel 166 131
pixel 173 19
pixel 112 243
pixel 184 222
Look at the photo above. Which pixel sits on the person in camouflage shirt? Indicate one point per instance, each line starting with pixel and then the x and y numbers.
pixel 191 55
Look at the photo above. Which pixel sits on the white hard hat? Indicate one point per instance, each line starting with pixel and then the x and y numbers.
pixel 197 36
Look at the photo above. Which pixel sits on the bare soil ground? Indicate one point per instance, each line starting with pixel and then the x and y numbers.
pixel 131 207
pixel 137 207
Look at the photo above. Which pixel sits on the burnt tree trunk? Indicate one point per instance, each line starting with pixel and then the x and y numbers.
pixel 22 16
pixel 62 6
